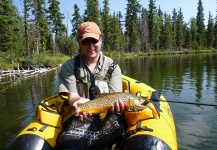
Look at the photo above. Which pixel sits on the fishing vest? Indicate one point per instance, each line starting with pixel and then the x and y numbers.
pixel 92 85
pixel 93 133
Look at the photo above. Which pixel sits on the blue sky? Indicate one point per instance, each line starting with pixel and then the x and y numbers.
pixel 189 7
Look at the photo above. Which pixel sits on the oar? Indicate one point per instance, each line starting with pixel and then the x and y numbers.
pixel 192 103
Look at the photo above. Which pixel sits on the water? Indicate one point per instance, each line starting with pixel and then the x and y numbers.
pixel 186 78
pixel 19 101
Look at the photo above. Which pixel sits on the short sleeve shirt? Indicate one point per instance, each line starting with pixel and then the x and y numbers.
pixel 68 82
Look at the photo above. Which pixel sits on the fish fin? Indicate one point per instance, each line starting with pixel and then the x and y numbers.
pixel 102 115
pixel 69 111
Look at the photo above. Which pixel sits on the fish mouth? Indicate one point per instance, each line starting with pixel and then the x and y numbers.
pixel 139 107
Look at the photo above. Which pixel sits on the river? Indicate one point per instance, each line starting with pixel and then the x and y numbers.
pixel 185 78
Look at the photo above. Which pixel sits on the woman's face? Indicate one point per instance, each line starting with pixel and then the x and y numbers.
pixel 90 47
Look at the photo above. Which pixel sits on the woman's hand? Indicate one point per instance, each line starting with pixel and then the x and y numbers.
pixel 82 115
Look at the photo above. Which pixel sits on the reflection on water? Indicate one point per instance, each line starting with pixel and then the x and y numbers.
pixel 194 75
pixel 190 78
pixel 19 102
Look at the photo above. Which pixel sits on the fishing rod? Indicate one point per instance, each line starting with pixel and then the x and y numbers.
pixel 192 103
pixel 181 102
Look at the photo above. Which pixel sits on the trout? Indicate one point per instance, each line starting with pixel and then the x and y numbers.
pixel 103 103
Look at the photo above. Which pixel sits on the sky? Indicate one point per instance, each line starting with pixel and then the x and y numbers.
pixel 189 7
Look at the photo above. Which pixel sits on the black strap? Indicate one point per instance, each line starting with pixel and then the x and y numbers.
pixel 77 66
pixel 93 89
pixel 48 108
pixel 138 128
pixel 111 69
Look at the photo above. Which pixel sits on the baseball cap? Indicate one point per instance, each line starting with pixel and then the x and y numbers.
pixel 89 29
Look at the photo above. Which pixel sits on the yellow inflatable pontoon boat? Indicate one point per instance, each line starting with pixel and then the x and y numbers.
pixel 151 128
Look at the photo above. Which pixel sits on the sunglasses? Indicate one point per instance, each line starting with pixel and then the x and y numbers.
pixel 87 41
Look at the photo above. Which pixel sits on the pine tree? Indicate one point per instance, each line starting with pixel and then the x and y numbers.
pixel 27 7
pixel 215 31
pixel 179 30
pixel 92 11
pixel 132 25
pixel 56 20
pixel 185 32
pixel 167 32
pixel 120 17
pixel 200 25
pixel 76 20
pixel 106 26
pixel 116 42
pixel 156 32
pixel 41 25
pixel 143 30
pixel 210 32
pixel 174 28
pixel 161 38
pixel 187 41
pixel 193 33
pixel 8 28
pixel 151 16
pixel 120 23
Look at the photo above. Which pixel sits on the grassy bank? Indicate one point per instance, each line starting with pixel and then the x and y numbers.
pixel 159 52
pixel 47 60
pixel 44 60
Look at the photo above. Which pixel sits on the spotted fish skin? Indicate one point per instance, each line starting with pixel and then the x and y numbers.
pixel 104 102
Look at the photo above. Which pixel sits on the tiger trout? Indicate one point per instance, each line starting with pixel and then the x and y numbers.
pixel 104 102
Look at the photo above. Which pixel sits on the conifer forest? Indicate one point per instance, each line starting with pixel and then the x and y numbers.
pixel 39 29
